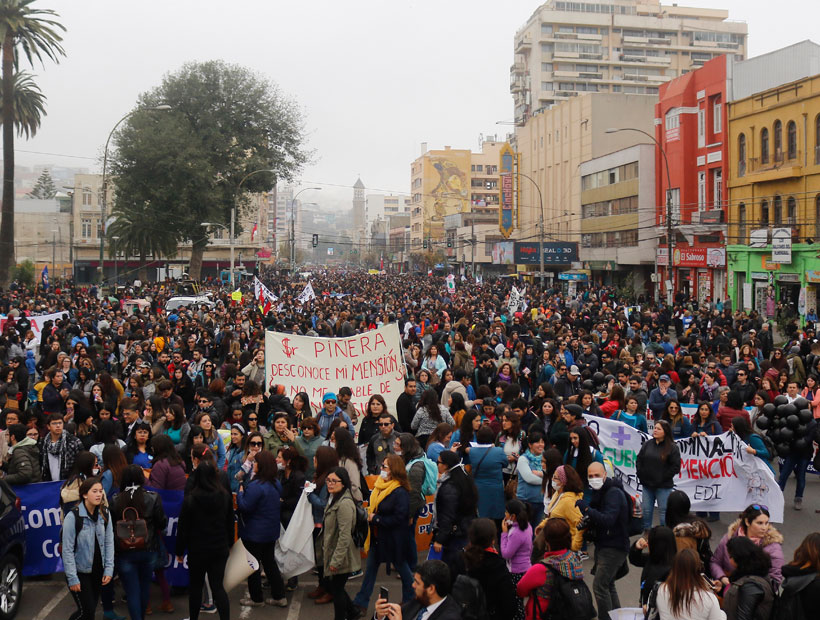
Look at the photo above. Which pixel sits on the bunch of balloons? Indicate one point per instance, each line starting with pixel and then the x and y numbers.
pixel 785 423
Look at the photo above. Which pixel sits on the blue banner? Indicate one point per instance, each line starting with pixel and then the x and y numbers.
pixel 43 521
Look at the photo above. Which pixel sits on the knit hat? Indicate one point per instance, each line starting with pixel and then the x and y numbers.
pixel 561 474
pixel 329 396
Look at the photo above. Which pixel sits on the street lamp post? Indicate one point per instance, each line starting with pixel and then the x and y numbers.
pixel 53 251
pixel 541 226
pixel 115 238
pixel 157 108
pixel 293 226
pixel 670 241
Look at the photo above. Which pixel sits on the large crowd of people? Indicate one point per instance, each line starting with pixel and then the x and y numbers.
pixel 117 404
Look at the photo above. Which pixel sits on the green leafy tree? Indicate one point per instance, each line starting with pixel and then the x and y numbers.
pixel 142 232
pixel 225 123
pixel 37 34
pixel 44 188
pixel 24 273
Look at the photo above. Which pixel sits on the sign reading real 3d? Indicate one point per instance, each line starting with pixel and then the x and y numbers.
pixel 526 253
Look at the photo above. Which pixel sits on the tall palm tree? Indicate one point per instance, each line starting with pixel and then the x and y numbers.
pixel 37 34
pixel 142 230
pixel 29 105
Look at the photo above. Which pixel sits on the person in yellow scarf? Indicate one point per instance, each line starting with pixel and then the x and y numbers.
pixel 389 514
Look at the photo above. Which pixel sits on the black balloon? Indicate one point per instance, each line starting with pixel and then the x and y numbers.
pixel 779 422
pixel 588 385
pixel 763 422
pixel 805 416
pixel 800 431
pixel 786 434
pixel 780 399
pixel 598 378
pixel 786 410
pixel 783 449
pixel 774 435
pixel 793 421
pixel 800 403
pixel 800 444
pixel 769 410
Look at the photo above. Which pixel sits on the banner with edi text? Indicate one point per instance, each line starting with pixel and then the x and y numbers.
pixel 368 363
pixel 716 471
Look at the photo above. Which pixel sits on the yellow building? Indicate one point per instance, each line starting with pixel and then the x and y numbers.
pixel 449 182
pixel 774 194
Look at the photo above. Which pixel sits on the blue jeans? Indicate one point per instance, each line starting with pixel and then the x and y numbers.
pixel 369 581
pixel 798 465
pixel 607 563
pixel 650 494
pixel 135 569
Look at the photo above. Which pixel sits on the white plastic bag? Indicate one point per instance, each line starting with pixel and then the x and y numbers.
pixel 294 549
pixel 626 613
pixel 241 565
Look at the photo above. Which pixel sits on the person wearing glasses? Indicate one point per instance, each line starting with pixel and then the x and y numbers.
pixel 329 413
pixel 753 523
pixel 660 396
pixel 337 553
pixel 381 444
pixel 678 423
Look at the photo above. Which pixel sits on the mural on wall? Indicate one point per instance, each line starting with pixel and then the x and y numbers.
pixel 451 190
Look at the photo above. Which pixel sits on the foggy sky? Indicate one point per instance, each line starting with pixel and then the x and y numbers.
pixel 374 78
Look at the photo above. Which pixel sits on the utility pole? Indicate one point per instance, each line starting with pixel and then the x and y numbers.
pixel 53 251
pixel 472 243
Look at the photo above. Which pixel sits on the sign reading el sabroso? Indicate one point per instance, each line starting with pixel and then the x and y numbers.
pixel 369 363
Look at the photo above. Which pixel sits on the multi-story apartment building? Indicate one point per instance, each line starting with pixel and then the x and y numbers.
pixel 613 46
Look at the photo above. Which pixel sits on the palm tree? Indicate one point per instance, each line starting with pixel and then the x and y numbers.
pixel 29 105
pixel 142 230
pixel 37 34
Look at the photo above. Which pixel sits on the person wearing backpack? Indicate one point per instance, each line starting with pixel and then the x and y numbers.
pixel 422 475
pixel 657 464
pixel 743 429
pixel 653 554
pixel 800 590
pixel 750 595
pixel 559 564
pixel 480 561
pixel 388 512
pixel 608 512
pixel 88 550
pixel 337 552
pixel 454 508
pixel 135 557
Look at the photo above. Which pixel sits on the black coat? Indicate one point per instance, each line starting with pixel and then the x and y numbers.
pixel 652 470
pixel 496 582
pixel 206 524
pixel 448 610
pixel 388 529
pixel 452 521
pixel 291 492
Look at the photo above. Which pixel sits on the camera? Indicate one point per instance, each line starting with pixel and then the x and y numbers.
pixel 583 523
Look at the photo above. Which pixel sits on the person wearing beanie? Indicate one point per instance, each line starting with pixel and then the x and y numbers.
pixel 329 413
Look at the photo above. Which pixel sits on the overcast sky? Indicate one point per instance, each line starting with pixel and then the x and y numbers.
pixel 375 78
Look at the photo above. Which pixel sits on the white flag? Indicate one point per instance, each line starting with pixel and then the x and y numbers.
pixel 451 283
pixel 307 294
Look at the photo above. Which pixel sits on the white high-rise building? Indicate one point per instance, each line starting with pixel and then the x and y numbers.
pixel 279 219
pixel 613 46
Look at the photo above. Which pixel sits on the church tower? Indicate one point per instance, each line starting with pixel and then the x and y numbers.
pixel 359 216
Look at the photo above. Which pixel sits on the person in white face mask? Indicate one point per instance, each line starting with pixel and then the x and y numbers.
pixel 608 515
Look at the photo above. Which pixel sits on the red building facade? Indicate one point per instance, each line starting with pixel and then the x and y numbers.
pixel 690 125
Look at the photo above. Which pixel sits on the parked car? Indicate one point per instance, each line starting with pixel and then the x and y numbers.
pixel 12 552
pixel 175 303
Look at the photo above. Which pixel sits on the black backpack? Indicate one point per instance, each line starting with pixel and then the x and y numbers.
pixel 788 605
pixel 634 515
pixel 569 599
pixel 469 595
pixel 78 523
pixel 362 526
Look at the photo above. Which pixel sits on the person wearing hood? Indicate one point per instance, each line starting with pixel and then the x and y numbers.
pixel 329 413
pixel 23 466
pixel 794 364
pixel 608 514
pixel 754 524
pixel 454 508
pixel 31 367
pixel 691 531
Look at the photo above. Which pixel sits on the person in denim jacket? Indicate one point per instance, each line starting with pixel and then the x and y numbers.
pixel 88 555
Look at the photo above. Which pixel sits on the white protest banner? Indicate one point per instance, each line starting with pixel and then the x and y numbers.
pixel 716 471
pixel 264 298
pixel 37 322
pixel 515 299
pixel 368 363
pixel 451 283
pixel 307 294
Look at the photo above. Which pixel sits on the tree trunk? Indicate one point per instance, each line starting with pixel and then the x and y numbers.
pixel 143 270
pixel 197 252
pixel 7 221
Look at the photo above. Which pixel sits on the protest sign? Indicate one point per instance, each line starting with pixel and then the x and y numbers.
pixel 369 363
pixel 716 471
pixel 307 294
pixel 37 322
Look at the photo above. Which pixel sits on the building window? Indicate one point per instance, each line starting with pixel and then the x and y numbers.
pixel 764 213
pixel 778 211
pixel 701 128
pixel 86 228
pixel 86 197
pixel 716 118
pixel 764 145
pixel 741 155
pixel 777 130
pixel 791 139
pixel 791 208
pixel 817 140
pixel 741 223
pixel 717 187
pixel 701 190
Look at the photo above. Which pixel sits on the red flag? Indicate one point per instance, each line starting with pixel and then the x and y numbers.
pixel 253 232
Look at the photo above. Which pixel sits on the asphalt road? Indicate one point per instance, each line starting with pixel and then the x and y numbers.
pixel 49 598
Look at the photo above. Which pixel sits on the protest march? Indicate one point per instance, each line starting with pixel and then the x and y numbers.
pixel 304 433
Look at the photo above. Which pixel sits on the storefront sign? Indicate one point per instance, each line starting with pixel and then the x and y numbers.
pixel 768 265
pixel 759 275
pixel 578 277
pixel 788 277
pixel 813 277
pixel 505 213
pixel 662 257
pixel 782 245
pixel 759 238
pixel 699 257
pixel 526 253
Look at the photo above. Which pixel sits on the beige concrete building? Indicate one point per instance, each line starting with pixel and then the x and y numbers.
pixel 623 46
pixel 448 182
pixel 555 142
pixel 42 234
pixel 85 238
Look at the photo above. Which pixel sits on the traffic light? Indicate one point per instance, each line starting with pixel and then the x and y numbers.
pixel 315 240
pixel 424 244
pixel 449 242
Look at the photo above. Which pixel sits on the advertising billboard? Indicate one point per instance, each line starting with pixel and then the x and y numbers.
pixel 526 253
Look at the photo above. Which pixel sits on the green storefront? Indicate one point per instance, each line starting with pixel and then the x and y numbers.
pixel 753 277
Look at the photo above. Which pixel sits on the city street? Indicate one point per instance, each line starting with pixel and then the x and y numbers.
pixel 50 598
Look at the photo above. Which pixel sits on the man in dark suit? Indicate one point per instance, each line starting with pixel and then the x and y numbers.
pixel 431 583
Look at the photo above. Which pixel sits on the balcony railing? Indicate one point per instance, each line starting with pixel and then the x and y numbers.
pixel 777 160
